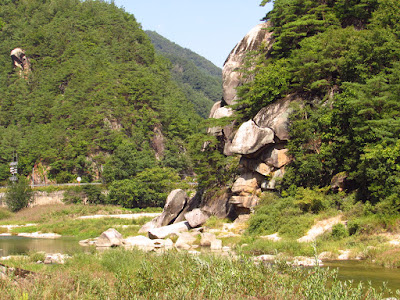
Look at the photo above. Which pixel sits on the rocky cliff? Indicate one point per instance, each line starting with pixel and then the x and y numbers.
pixel 259 141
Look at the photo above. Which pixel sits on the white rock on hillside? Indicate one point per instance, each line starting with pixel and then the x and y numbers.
pixel 250 138
pixel 231 75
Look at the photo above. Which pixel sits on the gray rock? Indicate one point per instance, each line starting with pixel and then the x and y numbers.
pixel 219 205
pixel 216 245
pixel 276 117
pixel 186 240
pixel 174 205
pixel 163 232
pixel 148 226
pixel 109 238
pixel 213 109
pixel 140 241
pixel 196 217
pixel 256 165
pixel 250 138
pixel 244 201
pixel 20 60
pixel 276 156
pixel 231 75
pixel 276 176
pixel 222 112
pixel 247 183
pixel 191 204
pixel 207 238
pixel 56 258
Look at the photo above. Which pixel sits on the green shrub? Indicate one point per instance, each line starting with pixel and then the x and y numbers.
pixel 339 231
pixel 281 215
pixel 93 194
pixel 353 226
pixel 148 188
pixel 19 195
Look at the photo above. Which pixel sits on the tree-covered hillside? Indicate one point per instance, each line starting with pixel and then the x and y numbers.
pixel 98 102
pixel 342 58
pixel 199 78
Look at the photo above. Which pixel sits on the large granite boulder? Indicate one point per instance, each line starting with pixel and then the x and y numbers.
pixel 109 238
pixel 250 138
pixel 231 75
pixel 219 205
pixel 246 202
pixel 276 117
pixel 256 165
pixel 186 240
pixel 247 183
pixel 163 232
pixel 276 156
pixel 174 205
pixel 196 217
pixel 140 241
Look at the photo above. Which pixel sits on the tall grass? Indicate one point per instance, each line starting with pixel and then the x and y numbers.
pixel 120 274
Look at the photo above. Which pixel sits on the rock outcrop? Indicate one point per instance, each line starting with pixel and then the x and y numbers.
pixel 261 141
pixel 20 61
pixel 231 73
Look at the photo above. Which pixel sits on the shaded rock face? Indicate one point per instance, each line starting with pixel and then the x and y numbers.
pixel 20 61
pixel 231 75
pixel 174 205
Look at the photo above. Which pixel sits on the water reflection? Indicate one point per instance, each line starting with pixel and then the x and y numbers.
pixel 15 245
pixel 360 271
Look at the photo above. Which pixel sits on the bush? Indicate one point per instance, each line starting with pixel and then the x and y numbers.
pixel 339 231
pixel 93 194
pixel 148 188
pixel 19 195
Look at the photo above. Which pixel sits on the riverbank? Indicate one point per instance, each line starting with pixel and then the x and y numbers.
pixel 134 274
pixel 87 222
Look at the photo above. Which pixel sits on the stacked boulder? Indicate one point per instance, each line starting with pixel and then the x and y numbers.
pixel 261 141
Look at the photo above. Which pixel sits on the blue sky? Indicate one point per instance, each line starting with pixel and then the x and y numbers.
pixel 209 27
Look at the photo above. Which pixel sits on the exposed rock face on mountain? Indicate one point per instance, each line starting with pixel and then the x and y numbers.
pixel 20 61
pixel 231 75
pixel 260 141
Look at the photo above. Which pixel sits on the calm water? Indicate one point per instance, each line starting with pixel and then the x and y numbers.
pixel 14 245
pixel 360 271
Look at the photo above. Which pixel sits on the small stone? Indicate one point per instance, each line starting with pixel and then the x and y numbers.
pixel 216 245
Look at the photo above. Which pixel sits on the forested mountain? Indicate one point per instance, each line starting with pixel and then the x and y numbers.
pixel 343 59
pixel 199 78
pixel 98 101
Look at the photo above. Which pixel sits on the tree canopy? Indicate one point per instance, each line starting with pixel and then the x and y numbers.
pixel 97 96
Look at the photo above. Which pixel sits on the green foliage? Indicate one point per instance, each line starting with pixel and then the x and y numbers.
pixel 148 188
pixel 339 231
pixel 19 194
pixel 200 80
pixel 281 215
pixel 96 88
pixel 90 194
